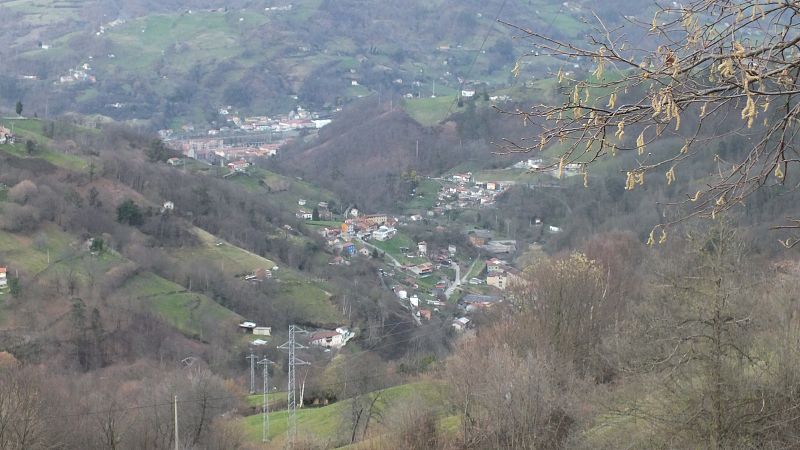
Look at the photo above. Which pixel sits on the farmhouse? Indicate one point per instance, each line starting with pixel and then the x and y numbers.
pixel 331 339
pixel 503 278
pixel 384 233
pixel 422 269
pixel 239 165
pixel 375 219
pixel 3 279
pixel 259 275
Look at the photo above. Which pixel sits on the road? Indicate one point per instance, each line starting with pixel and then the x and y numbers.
pixel 459 279
pixel 472 266
pixel 456 283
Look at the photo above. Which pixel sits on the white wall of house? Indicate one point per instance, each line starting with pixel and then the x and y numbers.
pixel 262 331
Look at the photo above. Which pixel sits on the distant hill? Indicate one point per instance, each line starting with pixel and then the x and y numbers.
pixel 175 62
pixel 373 154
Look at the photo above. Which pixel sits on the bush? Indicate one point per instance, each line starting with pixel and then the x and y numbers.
pixel 17 218
pixel 23 191
pixel 129 213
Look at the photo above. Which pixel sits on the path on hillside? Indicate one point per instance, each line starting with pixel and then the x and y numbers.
pixel 459 279
pixel 391 258
pixel 472 266
pixel 456 283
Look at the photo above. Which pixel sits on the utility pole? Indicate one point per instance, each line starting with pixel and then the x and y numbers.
pixel 265 403
pixel 292 346
pixel 175 409
pixel 252 359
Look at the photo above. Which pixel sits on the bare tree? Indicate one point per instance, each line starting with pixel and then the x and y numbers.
pixel 511 394
pixel 701 358
pixel 565 301
pixel 22 420
pixel 706 62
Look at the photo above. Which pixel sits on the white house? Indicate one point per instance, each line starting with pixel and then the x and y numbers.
pixel 321 123
pixel 331 339
pixel 384 233
pixel 422 247
pixel 247 327
pixel 3 279
pixel 460 324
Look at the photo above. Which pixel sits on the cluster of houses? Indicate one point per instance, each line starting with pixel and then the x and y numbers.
pixel 462 191
pixel 6 136
pixel 328 339
pixel 538 164
pixel 106 27
pixel 252 328
pixel 212 147
pixel 323 211
pixel 213 150
pixel 297 120
pixel 346 239
pixel 78 75
pixel 484 239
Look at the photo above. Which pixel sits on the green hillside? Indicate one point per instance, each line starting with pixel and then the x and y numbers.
pixel 180 307
pixel 183 309
pixel 328 423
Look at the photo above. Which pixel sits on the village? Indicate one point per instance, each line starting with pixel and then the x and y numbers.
pixel 426 280
pixel 242 139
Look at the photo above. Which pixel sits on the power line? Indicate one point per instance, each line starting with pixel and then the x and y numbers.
pixel 172 402
pixel 292 346
pixel 477 54
pixel 265 404
pixel 252 359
